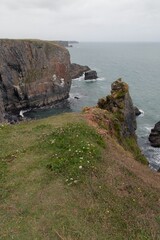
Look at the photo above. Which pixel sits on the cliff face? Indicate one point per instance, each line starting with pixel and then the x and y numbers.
pixel 1 108
pixel 32 74
pixel 120 104
pixel 154 136
pixel 78 70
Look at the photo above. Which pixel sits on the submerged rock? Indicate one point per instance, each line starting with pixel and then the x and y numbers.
pixel 33 73
pixel 120 104
pixel 154 136
pixel 77 70
pixel 91 74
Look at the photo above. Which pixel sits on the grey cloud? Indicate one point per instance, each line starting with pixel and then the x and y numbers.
pixel 35 4
pixel 96 20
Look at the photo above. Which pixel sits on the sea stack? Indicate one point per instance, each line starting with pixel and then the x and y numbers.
pixel 154 136
pixel 78 70
pixel 120 104
pixel 91 74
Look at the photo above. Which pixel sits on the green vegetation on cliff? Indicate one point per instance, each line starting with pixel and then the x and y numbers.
pixel 67 177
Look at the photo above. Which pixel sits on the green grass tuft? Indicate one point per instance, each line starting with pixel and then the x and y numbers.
pixel 130 144
pixel 75 149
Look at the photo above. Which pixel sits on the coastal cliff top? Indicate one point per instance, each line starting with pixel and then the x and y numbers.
pixel 37 42
pixel 70 172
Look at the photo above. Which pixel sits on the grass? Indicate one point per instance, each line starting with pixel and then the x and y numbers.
pixel 130 144
pixel 47 195
pixel 74 149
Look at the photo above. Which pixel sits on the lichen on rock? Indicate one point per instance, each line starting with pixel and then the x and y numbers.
pixel 120 104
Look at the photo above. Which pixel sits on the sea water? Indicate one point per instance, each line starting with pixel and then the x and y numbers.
pixel 138 64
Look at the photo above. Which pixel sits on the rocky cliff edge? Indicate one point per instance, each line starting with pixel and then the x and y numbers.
pixel 120 104
pixel 115 115
pixel 33 73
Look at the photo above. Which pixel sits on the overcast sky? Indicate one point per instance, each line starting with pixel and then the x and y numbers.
pixel 82 20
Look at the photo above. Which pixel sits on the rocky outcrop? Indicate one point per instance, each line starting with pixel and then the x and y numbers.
pixel 78 70
pixel 137 111
pixel 2 112
pixel 154 136
pixel 120 104
pixel 33 73
pixel 62 43
pixel 91 74
pixel 65 43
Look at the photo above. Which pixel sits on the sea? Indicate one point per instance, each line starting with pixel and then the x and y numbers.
pixel 138 64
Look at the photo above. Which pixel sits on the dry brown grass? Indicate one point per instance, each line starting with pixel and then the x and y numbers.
pixel 119 199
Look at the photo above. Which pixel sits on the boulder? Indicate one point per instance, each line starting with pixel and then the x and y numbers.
pixel 33 73
pixel 137 111
pixel 154 136
pixel 91 74
pixel 77 70
pixel 120 104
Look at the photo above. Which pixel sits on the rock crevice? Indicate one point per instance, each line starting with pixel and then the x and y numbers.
pixel 33 73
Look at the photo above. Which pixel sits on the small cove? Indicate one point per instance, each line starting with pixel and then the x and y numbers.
pixel 137 64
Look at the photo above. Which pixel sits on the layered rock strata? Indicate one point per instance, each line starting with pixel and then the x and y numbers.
pixel 33 73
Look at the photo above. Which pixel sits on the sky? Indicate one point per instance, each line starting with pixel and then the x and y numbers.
pixel 81 20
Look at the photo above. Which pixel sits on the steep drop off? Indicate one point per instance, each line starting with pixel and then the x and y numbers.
pixel 119 103
pixel 33 73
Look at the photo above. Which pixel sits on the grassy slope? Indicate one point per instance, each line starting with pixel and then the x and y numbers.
pixel 111 197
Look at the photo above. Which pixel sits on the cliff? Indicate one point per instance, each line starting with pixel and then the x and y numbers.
pixel 78 70
pixel 115 115
pixel 1 108
pixel 64 179
pixel 154 136
pixel 62 43
pixel 65 43
pixel 120 104
pixel 33 73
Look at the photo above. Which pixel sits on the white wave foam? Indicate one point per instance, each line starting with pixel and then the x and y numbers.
pixel 75 96
pixel 142 112
pixel 90 80
pixel 101 79
pixel 148 129
pixel 23 111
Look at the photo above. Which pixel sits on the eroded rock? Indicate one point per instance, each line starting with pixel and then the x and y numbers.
pixel 33 73
pixel 77 70
pixel 120 104
pixel 137 111
pixel 1 109
pixel 91 74
pixel 154 136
